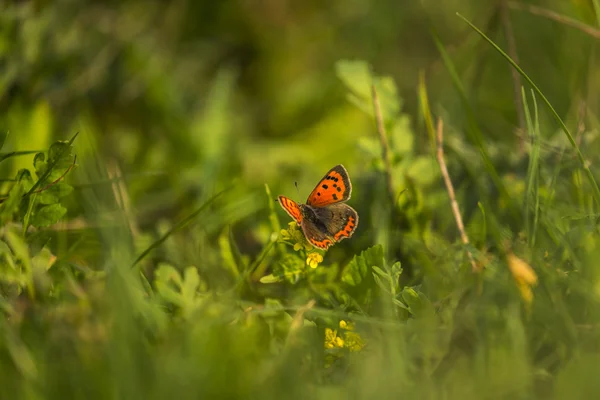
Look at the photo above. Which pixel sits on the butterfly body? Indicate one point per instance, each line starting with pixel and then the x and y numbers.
pixel 325 219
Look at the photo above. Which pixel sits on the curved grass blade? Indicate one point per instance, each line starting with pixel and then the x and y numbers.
pixel 563 126
pixel 532 190
pixel 178 226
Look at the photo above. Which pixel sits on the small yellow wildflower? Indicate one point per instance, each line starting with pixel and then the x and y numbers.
pixel 284 234
pixel 313 259
pixel 332 340
pixel 294 236
pixel 349 326
pixel 524 276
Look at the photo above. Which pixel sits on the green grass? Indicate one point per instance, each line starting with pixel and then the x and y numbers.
pixel 147 257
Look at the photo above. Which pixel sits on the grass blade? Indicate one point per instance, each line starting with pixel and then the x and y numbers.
pixel 532 189
pixel 4 156
pixel 178 227
pixel 473 130
pixel 563 126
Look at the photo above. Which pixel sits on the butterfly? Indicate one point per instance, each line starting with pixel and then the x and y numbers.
pixel 325 219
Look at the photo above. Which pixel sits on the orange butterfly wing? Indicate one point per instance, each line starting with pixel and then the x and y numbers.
pixel 291 207
pixel 333 188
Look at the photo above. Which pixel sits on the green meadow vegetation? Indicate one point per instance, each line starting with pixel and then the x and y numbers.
pixel 143 252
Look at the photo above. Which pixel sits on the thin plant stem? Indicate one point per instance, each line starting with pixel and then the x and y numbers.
pixel 451 194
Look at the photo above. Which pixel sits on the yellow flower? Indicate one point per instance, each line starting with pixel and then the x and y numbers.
pixel 524 276
pixel 284 234
pixel 332 340
pixel 349 326
pixel 313 259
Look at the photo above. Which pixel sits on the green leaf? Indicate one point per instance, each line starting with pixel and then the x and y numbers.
pixel 382 273
pixel 418 303
pixel 54 193
pixel 401 304
pixel 164 277
pixel 396 271
pixel 383 286
pixel 40 164
pixel 191 282
pixel 356 271
pixel 359 79
pixel 48 215
pixel 356 75
pixel 59 160
pixel 227 252
pixel 166 273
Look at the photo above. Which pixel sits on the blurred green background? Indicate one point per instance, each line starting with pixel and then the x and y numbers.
pixel 176 101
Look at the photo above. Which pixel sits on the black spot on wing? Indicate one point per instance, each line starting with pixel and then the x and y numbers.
pixel 335 196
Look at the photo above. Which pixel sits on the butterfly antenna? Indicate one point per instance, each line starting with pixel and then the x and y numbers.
pixel 298 190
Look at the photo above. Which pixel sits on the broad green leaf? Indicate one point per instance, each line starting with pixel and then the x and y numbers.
pixel 385 286
pixel 165 277
pixel 356 271
pixel 48 215
pixel 191 282
pixel 59 160
pixel 382 273
pixel 40 164
pixel 356 75
pixel 388 98
pixel 166 273
pixel 417 302
pixel 358 78
pixel 54 193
